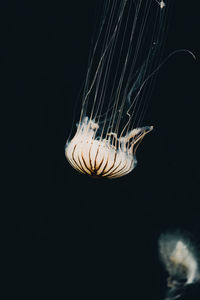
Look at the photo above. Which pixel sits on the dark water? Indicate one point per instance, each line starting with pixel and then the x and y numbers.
pixel 64 234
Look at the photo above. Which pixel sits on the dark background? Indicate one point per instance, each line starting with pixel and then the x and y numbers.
pixel 64 234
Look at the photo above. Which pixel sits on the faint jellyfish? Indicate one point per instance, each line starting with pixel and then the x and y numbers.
pixel 181 260
pixel 124 59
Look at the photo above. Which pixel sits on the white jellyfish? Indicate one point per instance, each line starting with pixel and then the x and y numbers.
pixel 122 66
pixel 181 260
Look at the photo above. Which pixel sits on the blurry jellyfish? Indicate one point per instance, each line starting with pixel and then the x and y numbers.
pixel 124 59
pixel 181 260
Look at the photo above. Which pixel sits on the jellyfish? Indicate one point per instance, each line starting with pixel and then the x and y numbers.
pixel 179 255
pixel 125 55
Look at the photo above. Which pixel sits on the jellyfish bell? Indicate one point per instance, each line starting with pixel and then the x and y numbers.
pixel 120 75
pixel 180 257
pixel 109 157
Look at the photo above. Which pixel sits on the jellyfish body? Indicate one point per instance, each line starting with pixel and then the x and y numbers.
pixel 181 261
pixel 124 56
pixel 103 158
